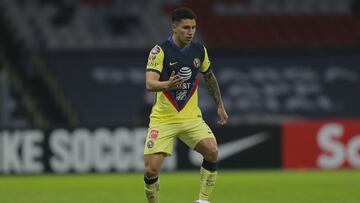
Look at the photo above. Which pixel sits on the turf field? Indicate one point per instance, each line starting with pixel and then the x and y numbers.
pixel 232 187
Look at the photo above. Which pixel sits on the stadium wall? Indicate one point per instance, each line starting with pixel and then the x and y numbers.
pixel 269 86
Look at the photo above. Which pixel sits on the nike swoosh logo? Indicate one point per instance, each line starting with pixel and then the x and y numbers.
pixel 173 63
pixel 234 147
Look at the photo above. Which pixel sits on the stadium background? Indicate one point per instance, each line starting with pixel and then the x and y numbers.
pixel 73 99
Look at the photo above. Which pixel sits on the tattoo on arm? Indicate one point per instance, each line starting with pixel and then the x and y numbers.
pixel 212 86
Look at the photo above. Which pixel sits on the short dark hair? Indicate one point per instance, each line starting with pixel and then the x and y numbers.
pixel 182 13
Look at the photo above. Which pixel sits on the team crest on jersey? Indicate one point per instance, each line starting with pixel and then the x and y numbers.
pixel 197 62
pixel 150 144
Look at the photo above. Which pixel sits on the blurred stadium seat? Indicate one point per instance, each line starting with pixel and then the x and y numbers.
pixel 291 23
pixel 61 24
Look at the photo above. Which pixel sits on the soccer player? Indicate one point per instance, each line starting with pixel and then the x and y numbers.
pixel 172 72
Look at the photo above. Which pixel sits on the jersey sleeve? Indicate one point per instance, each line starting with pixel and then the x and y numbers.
pixel 205 66
pixel 155 60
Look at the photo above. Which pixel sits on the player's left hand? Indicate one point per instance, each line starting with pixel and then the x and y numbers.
pixel 222 114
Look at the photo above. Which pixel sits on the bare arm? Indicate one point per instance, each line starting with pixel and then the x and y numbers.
pixel 214 91
pixel 153 83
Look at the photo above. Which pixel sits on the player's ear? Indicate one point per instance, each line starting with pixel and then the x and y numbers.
pixel 173 27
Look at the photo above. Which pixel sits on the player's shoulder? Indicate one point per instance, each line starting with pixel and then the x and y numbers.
pixel 160 47
pixel 165 45
pixel 198 45
pixel 156 55
pixel 156 49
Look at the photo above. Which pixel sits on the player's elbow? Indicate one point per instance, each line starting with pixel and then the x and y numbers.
pixel 149 87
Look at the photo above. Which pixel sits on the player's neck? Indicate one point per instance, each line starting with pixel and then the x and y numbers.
pixel 178 43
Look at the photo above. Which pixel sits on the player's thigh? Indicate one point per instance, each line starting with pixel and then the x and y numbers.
pixel 160 139
pixel 194 132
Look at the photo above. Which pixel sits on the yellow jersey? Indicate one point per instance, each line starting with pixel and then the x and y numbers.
pixel 179 105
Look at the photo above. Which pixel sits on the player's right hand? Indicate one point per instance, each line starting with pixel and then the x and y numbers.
pixel 175 81
pixel 222 114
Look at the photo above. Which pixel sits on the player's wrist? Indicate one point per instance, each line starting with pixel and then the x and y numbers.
pixel 220 105
pixel 167 85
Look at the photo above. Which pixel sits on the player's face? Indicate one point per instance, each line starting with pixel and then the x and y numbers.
pixel 184 31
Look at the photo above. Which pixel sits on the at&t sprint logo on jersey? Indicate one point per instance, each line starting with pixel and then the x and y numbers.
pixel 185 73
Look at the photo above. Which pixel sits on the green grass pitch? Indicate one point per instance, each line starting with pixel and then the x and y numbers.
pixel 265 186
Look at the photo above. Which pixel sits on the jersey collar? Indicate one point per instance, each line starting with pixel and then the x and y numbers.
pixel 170 39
